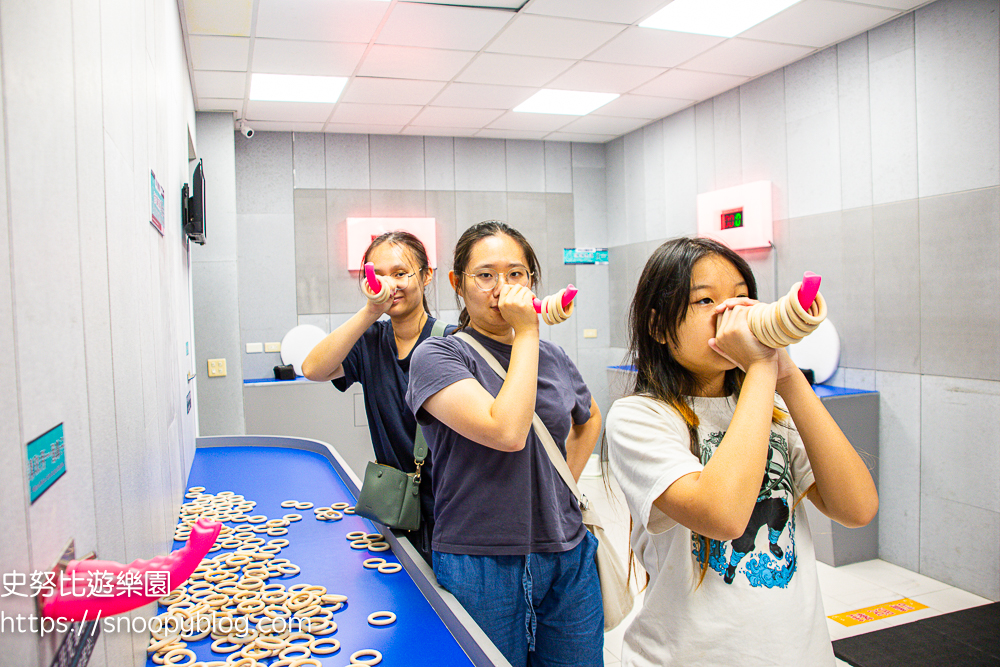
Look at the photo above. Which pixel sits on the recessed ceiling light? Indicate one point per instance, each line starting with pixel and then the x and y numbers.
pixel 567 102
pixel 721 18
pixel 296 88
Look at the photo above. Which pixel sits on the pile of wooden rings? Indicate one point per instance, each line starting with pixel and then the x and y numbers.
pixel 785 321
pixel 552 309
pixel 235 598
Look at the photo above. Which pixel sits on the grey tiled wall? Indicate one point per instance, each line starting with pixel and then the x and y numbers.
pixel 884 154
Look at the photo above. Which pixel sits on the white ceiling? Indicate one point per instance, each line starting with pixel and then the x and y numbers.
pixel 435 68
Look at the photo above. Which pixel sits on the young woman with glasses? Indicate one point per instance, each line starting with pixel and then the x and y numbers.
pixel 377 354
pixel 508 539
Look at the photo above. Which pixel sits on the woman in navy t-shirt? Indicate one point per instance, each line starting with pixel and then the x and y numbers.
pixel 509 542
pixel 377 354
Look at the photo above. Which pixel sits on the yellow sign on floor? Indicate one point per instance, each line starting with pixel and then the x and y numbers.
pixel 885 610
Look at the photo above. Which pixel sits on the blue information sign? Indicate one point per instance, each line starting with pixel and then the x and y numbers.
pixel 585 255
pixel 46 461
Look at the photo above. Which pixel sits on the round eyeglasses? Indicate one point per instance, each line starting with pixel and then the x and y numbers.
pixel 487 280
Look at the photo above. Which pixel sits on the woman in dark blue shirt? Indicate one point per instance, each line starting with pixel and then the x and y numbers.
pixel 376 353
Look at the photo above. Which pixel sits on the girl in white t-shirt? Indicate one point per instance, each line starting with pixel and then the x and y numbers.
pixel 713 464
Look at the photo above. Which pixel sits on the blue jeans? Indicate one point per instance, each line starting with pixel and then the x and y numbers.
pixel 543 609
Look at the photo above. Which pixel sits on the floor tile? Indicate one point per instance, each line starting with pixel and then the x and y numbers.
pixel 950 599
pixel 893 577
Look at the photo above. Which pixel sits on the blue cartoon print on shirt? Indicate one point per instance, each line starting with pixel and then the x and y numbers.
pixel 770 566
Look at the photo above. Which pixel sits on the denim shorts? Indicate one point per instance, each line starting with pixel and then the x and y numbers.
pixel 543 609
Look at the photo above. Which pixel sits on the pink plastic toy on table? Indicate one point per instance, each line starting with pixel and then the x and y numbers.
pixel 178 565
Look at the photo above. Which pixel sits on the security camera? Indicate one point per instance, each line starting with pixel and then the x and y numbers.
pixel 246 130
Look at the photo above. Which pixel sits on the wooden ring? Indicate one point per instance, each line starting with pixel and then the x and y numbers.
pixel 373 563
pixel 333 644
pixel 355 535
pixel 289 503
pixel 378 546
pixel 360 544
pixel 380 618
pixel 376 657
pixel 390 568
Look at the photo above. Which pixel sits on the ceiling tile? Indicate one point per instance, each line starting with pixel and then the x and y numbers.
pixel 477 95
pixel 405 62
pixel 604 77
pixel 651 47
pixel 370 90
pixel 897 4
pixel 641 106
pixel 541 122
pixel 747 58
pixel 362 128
pixel 305 112
pixel 605 125
pixel 282 56
pixel 493 133
pixel 581 138
pixel 218 18
pixel 551 37
pixel 818 23
pixel 229 85
pixel 215 104
pixel 456 117
pixel 619 11
pixel 320 20
pixel 427 131
pixel 378 114
pixel 224 54
pixel 689 85
pixel 503 69
pixel 441 27
pixel 495 4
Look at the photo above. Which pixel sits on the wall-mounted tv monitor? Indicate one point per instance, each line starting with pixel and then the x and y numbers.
pixel 193 206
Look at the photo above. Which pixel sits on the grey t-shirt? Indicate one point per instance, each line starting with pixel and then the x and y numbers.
pixel 489 502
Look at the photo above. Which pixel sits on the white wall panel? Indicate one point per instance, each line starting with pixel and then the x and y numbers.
pixel 397 162
pixel 893 111
pixel 813 135
pixel 558 167
pixel 653 168
pixel 480 165
pixel 958 96
pixel 763 137
pixel 855 123
pixel 439 163
pixel 347 161
pixel 960 545
pixel 680 173
pixel 728 149
pixel 635 187
pixel 899 468
pixel 264 184
pixel 525 165
pixel 704 116
pixel 616 189
pixel 309 160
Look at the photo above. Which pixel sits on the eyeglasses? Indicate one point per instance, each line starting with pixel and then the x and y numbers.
pixel 400 278
pixel 487 280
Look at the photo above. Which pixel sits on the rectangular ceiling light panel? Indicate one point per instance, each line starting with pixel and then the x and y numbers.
pixel 720 18
pixel 565 102
pixel 296 88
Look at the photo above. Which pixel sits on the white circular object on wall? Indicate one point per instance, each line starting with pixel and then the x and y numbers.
pixel 298 343
pixel 819 351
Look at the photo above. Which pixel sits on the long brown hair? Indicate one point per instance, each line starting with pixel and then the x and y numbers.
pixel 417 253
pixel 476 233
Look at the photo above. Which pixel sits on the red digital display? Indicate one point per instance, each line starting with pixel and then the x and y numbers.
pixel 732 219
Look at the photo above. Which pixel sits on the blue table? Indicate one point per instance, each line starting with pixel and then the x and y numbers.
pixel 431 628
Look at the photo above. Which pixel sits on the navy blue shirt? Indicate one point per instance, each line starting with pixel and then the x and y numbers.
pixel 488 502
pixel 374 362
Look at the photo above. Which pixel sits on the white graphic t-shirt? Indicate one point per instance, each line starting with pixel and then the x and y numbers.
pixel 759 603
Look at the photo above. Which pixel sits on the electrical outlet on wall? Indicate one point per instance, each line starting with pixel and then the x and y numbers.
pixel 272 347
pixel 216 367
